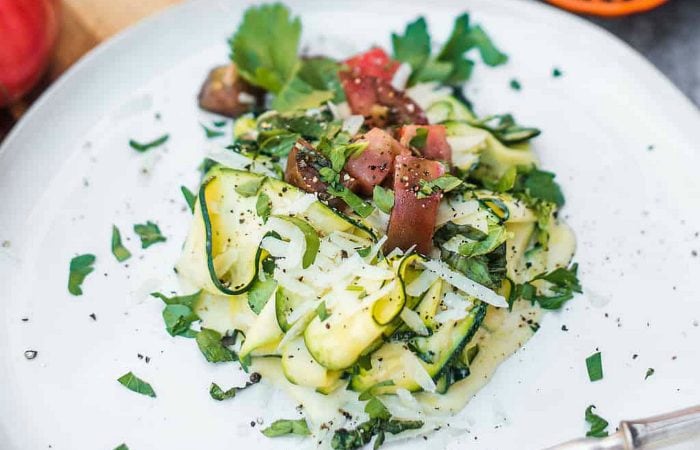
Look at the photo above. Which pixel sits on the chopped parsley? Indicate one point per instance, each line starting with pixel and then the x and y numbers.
pixel 80 267
pixel 118 250
pixel 259 293
pixel 263 206
pixel 285 427
pixel 209 343
pixel 515 84
pixel 219 394
pixel 210 133
pixel 149 234
pixel 598 424
pixel 383 199
pixel 142 148
pixel 322 312
pixel 594 365
pixel 562 284
pixel 650 372
pixel 179 314
pixel 336 189
pixel 419 140
pixel 190 198
pixel 136 384
pixel 444 183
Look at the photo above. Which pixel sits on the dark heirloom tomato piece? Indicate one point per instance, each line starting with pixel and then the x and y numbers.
pixel 371 166
pixel 436 146
pixel 303 171
pixel 374 63
pixel 225 92
pixel 412 220
pixel 380 104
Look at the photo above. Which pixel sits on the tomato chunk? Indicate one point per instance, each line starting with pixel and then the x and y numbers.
pixel 374 63
pixel 412 220
pixel 375 163
pixel 380 104
pixel 436 145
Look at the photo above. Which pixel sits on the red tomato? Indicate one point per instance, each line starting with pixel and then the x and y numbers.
pixel 371 166
pixel 436 146
pixel 412 220
pixel 374 63
pixel 28 30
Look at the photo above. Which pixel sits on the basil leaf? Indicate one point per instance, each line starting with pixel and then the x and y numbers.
pixel 219 394
pixel 259 294
pixel 376 409
pixel 178 319
pixel 80 267
pixel 597 423
pixel 594 365
pixel 383 199
pixel 118 250
pixel 149 234
pixel 284 427
pixel 209 343
pixel 136 384
pixel 190 198
pixel 142 148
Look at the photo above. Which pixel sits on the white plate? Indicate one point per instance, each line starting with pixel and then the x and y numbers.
pixel 67 174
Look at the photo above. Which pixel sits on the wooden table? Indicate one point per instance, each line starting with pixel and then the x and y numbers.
pixel 84 24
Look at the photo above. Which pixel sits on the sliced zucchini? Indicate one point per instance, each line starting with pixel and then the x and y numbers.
pixel 301 368
pixel 285 304
pixel 386 309
pixel 435 351
pixel 263 334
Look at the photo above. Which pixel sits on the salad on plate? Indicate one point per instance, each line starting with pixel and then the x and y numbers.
pixel 367 242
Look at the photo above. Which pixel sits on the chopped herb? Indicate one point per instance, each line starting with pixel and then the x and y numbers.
pixel 322 312
pixel 118 250
pixel 383 199
pixel 219 394
pixel 597 423
pixel 299 95
pixel 515 84
pixel 556 72
pixel 594 365
pixel 263 206
pixel 322 73
pixel 650 372
pixel 419 140
pixel 278 144
pixel 149 234
pixel 141 148
pixel 284 427
pixel 209 343
pixel 313 242
pixel 178 319
pixel 249 188
pixel 122 447
pixel 259 294
pixel 80 267
pixel 540 184
pixel 219 123
pixel 211 134
pixel 376 409
pixel 136 384
pixel 187 300
pixel 445 183
pixel 190 198
pixel 335 188
pixel 30 354
pixel 364 251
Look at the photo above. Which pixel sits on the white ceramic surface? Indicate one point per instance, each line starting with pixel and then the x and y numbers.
pixel 67 174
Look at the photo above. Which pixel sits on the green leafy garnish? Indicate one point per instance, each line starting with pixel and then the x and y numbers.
pixel 336 189
pixel 219 394
pixel 299 95
pixel 563 283
pixel 249 188
pixel 179 314
pixel 263 206
pixel 122 447
pixel 650 372
pixel 187 300
pixel 322 312
pixel 594 365
pixel 556 72
pixel 540 184
pixel 80 267
pixel 515 84
pixel 597 423
pixel 209 343
pixel 278 144
pixel 259 294
pixel 313 242
pixel 414 46
pixel 118 250
pixel 284 427
pixel 210 133
pixel 383 199
pixel 149 234
pixel 136 384
pixel 444 183
pixel 142 148
pixel 190 198
pixel 322 73
pixel 418 141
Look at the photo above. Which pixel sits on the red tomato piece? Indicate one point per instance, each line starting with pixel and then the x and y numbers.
pixel 412 220
pixel 374 63
pixel 375 163
pixel 436 146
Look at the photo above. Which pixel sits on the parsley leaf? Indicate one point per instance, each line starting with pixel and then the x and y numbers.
pixel 444 183
pixel 383 199
pixel 219 394
pixel 118 250
pixel 284 427
pixel 376 409
pixel 263 206
pixel 259 294
pixel 594 366
pixel 178 319
pixel 419 140
pixel 414 46
pixel 335 188
pixel 209 343
pixel 187 300
pixel 322 73
pixel 142 148
pixel 322 312
pixel 515 84
pixel 265 46
pixel 489 53
pixel 190 198
pixel 80 267
pixel 540 184
pixel 211 134
pixel 136 384
pixel 597 423
pixel 299 95
pixel 149 234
